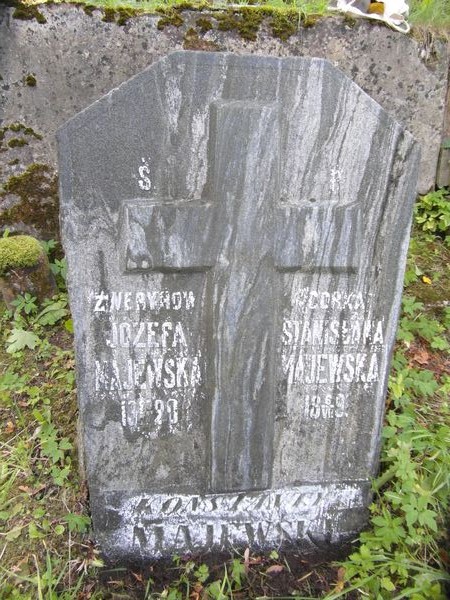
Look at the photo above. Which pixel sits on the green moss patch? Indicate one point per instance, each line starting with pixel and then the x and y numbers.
pixel 170 17
pixel 19 251
pixel 246 21
pixel 17 143
pixel 30 80
pixel 27 12
pixel 192 41
pixel 204 24
pixel 120 15
pixel 21 128
pixel 284 24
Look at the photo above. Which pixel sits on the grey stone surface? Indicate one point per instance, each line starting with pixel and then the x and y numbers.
pixel 443 173
pixel 236 231
pixel 76 58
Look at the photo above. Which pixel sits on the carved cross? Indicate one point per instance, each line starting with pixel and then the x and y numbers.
pixel 243 235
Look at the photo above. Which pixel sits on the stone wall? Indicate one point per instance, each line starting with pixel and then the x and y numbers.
pixel 51 70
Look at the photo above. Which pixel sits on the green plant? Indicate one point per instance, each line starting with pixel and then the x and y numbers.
pixel 403 554
pixel 27 322
pixel 434 13
pixel 432 214
pixel 415 322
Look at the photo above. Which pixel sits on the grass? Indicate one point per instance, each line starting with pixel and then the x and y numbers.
pixel 45 548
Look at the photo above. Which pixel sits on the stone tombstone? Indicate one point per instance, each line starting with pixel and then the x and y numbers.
pixel 236 230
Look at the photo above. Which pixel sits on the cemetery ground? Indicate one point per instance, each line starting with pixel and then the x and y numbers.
pixel 46 550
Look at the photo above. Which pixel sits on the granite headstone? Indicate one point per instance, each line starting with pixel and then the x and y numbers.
pixel 236 230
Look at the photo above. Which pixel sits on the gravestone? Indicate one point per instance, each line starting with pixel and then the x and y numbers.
pixel 236 230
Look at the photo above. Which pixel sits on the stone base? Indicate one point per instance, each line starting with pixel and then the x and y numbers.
pixel 314 519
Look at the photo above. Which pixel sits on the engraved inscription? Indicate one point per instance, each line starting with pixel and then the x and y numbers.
pixel 156 522
pixel 152 364
pixel 332 344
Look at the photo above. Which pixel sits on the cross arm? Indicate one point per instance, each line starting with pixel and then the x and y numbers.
pixel 318 238
pixel 168 237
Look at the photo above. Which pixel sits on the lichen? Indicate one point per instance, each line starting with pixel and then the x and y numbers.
pixel 19 251
pixel 37 188
pixel 30 80
pixel 28 12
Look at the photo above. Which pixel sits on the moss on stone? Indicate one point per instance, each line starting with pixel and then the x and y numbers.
pixel 310 20
pixel 17 128
pixel 37 188
pixel 21 128
pixel 30 80
pixel 284 24
pixel 192 41
pixel 123 14
pixel 89 9
pixel 204 24
pixel 194 6
pixel 170 17
pixel 28 12
pixel 109 15
pixel 19 251
pixel 119 15
pixel 17 143
pixel 349 19
pixel 246 21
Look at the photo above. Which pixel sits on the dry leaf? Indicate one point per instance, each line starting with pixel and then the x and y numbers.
pixel 422 357
pixel 10 427
pixel 275 569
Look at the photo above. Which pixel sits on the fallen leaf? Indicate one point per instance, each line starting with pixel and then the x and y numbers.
pixel 422 357
pixel 10 427
pixel 426 280
pixel 275 569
